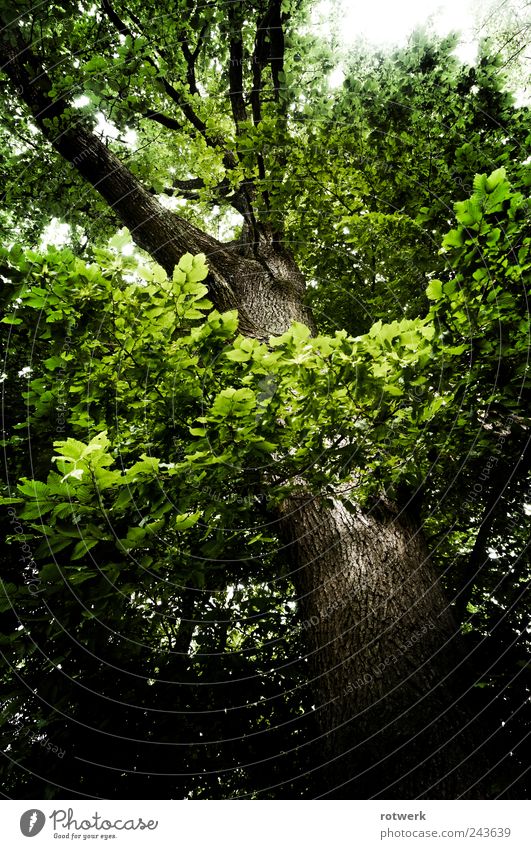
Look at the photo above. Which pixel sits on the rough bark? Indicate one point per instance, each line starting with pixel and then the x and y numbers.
pixel 383 649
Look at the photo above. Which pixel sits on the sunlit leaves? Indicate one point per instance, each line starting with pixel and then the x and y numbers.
pixel 238 404
pixel 434 290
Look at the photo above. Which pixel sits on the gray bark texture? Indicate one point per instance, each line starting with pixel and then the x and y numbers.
pixel 384 655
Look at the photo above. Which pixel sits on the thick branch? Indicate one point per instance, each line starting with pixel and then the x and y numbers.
pixel 190 68
pixel 190 57
pixel 237 101
pixel 266 288
pixel 258 61
pixel 164 235
pixel 268 48
pixel 165 120
pixel 276 38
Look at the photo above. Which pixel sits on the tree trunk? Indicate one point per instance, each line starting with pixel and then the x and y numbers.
pixel 383 652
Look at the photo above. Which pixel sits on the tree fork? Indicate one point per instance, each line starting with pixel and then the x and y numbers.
pixel 267 289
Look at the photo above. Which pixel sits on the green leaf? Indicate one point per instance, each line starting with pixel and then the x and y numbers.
pixel 121 238
pixel 135 537
pixel 497 177
pixel 34 489
pixel 54 362
pixel 468 212
pixel 7 596
pixel 392 389
pixel 71 448
pixel 453 239
pixel 82 548
pixel 81 576
pixel 123 499
pixel 199 269
pixel 183 521
pixel 434 290
pixel 186 263
pixel 238 356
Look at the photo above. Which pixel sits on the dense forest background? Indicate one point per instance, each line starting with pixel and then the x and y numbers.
pixel 265 406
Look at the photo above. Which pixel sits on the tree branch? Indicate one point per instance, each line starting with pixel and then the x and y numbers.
pixel 268 48
pixel 189 189
pixel 505 475
pixel 160 118
pixel 276 39
pixel 169 89
pixel 237 101
pixel 229 160
pixel 164 235
pixel 258 62
pixel 190 56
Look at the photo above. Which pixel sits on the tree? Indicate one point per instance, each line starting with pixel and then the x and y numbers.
pixel 506 26
pixel 310 430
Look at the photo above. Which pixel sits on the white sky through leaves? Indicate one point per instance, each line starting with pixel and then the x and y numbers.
pixel 390 22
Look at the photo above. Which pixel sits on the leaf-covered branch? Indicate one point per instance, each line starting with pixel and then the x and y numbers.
pixel 164 235
pixel 169 89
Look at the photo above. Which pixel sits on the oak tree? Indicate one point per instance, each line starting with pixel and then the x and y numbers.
pixel 255 458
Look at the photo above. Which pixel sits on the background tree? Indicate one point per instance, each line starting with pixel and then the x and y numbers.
pixel 506 26
pixel 309 464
